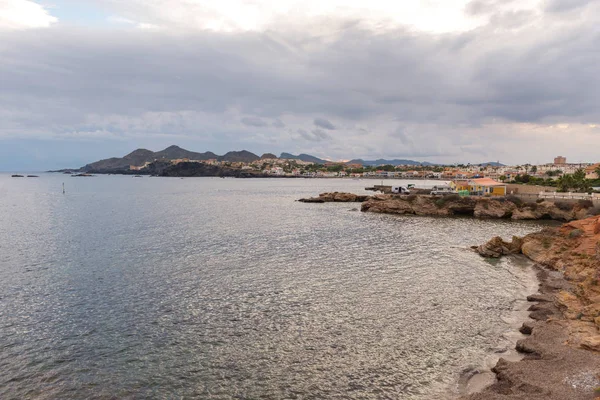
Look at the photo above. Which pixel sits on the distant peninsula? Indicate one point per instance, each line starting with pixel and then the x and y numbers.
pixel 176 161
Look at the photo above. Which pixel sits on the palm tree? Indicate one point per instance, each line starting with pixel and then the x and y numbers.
pixel 579 180
pixel 565 183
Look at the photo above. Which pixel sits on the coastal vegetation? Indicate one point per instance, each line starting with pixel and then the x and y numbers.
pixel 575 182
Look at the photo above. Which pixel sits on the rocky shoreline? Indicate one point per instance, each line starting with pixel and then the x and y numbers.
pixel 509 207
pixel 561 350
pixel 561 359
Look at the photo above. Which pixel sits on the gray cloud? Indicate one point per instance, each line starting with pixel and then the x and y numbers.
pixel 278 123
pixel 565 5
pixel 400 134
pixel 447 90
pixel 323 123
pixel 253 121
pixel 316 135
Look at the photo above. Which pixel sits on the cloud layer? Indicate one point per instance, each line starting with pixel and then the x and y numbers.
pixel 522 84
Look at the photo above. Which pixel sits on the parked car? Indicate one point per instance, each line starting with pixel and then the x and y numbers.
pixel 400 190
pixel 442 190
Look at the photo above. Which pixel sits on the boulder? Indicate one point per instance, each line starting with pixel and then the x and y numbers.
pixel 497 247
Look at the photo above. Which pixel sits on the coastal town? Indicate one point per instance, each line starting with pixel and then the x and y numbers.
pixel 332 169
pixel 489 178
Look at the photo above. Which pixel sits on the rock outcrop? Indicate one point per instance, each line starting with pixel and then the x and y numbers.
pixel 573 250
pixel 336 197
pixel 443 206
pixel 497 247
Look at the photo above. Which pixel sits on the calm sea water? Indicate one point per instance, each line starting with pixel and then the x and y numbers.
pixel 222 288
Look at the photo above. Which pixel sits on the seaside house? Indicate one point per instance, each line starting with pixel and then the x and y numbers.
pixel 460 185
pixel 590 172
pixel 483 186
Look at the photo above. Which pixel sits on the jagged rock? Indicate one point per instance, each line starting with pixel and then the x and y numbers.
pixel 524 346
pixel 526 328
pixel 440 206
pixel 539 298
pixel 497 247
pixel 312 200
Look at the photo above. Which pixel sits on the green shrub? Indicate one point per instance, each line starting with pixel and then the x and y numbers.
pixel 533 206
pixel 539 201
pixel 585 204
pixel 575 233
pixel 594 211
pixel 514 199
pixel 564 206
pixel 441 202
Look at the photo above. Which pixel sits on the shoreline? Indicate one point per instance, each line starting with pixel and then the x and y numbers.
pixel 475 380
pixel 547 368
pixel 560 348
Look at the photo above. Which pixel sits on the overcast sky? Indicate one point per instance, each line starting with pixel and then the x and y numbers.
pixel 436 80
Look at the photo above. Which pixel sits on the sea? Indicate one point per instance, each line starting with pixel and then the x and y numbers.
pixel 211 288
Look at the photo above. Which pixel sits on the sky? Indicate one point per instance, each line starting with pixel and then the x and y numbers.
pixel 445 81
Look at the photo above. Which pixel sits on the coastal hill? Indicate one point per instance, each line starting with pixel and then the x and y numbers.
pixel 140 157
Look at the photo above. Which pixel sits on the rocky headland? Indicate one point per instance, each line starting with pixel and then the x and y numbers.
pixel 509 207
pixel 561 351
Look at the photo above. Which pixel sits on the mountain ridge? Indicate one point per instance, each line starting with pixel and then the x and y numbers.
pixel 142 156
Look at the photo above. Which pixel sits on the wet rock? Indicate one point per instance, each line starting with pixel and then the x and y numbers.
pixel 497 247
pixel 524 346
pixel 526 328
pixel 312 200
pixel 539 298
pixel 336 197
pixel 541 315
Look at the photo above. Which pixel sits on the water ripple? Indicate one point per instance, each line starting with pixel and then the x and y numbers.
pixel 222 288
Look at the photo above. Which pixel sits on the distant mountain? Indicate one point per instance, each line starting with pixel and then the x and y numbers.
pixel 268 156
pixel 239 156
pixel 176 152
pixel 492 164
pixel 137 157
pixel 141 156
pixel 381 161
pixel 303 157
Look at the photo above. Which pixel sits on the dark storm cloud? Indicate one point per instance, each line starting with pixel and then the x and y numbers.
pixel 323 123
pixel 63 75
